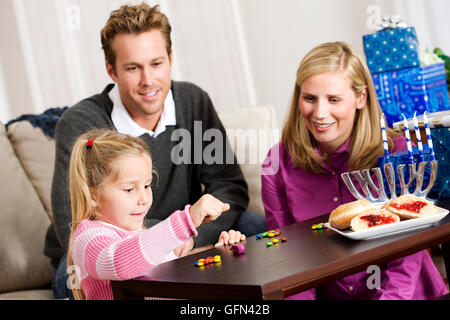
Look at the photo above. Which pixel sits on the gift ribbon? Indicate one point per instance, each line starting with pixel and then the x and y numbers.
pixel 391 22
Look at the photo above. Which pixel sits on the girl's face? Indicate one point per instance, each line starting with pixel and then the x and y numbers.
pixel 125 198
pixel 328 105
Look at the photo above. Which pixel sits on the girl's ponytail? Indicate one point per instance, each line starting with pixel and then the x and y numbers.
pixel 80 200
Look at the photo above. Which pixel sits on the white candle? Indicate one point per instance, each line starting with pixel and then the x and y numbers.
pixel 385 141
pixel 418 137
pixel 408 139
pixel 427 131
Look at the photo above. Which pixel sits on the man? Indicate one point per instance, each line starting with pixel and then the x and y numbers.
pixel 145 102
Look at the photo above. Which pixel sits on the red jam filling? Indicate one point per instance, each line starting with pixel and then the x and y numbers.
pixel 375 220
pixel 412 206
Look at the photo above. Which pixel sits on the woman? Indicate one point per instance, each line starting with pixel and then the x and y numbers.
pixel 333 127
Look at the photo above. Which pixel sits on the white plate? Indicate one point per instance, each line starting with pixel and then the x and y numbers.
pixel 392 228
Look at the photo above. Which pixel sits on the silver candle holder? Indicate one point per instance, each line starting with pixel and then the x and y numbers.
pixel 366 182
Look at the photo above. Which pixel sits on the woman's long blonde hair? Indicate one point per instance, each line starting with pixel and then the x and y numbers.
pixel 366 144
pixel 90 165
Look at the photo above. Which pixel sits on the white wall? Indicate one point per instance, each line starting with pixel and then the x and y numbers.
pixel 240 51
pixel 280 32
pixel 17 98
pixel 4 101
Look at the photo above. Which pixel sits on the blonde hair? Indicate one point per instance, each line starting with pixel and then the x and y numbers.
pixel 366 145
pixel 133 20
pixel 90 165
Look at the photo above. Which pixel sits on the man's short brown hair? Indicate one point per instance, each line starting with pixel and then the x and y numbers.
pixel 135 20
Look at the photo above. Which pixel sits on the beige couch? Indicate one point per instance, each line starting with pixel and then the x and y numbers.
pixel 26 169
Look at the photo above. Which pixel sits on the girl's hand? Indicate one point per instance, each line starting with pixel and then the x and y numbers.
pixel 207 208
pixel 230 237
pixel 185 248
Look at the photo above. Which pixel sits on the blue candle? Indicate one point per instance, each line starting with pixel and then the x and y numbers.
pixel 408 139
pixel 427 131
pixel 385 141
pixel 418 137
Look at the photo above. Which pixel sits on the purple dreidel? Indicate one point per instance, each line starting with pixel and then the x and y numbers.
pixel 238 249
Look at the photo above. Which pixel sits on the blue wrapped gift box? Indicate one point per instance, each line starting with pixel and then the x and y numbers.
pixel 441 145
pixel 413 89
pixel 392 49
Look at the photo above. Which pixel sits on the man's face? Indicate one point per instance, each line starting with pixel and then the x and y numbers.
pixel 142 73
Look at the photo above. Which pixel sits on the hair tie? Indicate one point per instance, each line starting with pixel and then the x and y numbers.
pixel 90 143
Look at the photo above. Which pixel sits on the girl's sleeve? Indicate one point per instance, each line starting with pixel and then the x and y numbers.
pixel 102 254
pixel 273 192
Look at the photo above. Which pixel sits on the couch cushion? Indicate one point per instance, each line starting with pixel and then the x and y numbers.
pixel 36 152
pixel 40 294
pixel 24 223
pixel 252 131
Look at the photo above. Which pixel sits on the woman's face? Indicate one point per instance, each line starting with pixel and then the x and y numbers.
pixel 328 105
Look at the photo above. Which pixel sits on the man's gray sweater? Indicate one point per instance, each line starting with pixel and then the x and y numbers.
pixel 175 184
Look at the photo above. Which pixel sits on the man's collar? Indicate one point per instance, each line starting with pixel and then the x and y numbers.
pixel 125 124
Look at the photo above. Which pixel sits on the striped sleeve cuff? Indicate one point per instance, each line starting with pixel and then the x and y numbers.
pixel 182 224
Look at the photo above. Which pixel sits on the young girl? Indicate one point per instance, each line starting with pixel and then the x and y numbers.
pixel 110 176
pixel 333 127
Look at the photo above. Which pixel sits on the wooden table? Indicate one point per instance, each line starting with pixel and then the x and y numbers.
pixel 309 258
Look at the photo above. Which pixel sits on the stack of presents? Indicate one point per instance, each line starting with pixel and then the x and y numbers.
pixel 405 86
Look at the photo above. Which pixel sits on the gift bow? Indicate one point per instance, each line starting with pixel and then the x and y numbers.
pixel 391 22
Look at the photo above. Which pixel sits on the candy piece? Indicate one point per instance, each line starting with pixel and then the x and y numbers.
pixel 269 244
pixel 265 234
pixel 259 236
pixel 275 241
pixel 208 260
pixel 283 239
pixel 238 249
pixel 271 235
pixel 318 226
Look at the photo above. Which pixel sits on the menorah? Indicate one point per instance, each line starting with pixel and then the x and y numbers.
pixel 368 186
pixel 365 178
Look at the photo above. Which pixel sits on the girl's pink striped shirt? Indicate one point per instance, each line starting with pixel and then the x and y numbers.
pixel 102 252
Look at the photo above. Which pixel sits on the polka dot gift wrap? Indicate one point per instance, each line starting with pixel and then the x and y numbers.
pixel 391 49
